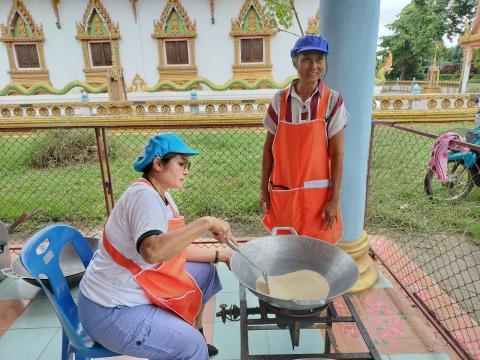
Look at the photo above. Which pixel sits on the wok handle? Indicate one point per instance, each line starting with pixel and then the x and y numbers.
pixel 289 228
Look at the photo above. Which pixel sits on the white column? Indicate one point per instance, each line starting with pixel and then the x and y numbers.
pixel 351 29
pixel 467 62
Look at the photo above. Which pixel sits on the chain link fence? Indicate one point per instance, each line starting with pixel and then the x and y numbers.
pixel 427 232
pixel 55 175
pixel 423 232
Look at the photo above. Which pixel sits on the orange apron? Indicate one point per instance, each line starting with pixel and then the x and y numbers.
pixel 168 285
pixel 300 179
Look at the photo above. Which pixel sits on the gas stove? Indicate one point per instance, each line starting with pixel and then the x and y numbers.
pixel 268 317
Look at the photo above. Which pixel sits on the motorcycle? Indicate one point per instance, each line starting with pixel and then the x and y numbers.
pixel 463 170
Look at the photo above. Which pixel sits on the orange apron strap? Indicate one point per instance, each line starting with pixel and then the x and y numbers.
pixel 323 103
pixel 118 257
pixel 283 105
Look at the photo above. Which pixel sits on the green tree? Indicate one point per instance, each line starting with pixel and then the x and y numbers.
pixel 281 14
pixel 419 30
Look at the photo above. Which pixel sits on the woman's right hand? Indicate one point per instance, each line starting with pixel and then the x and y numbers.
pixel 220 229
pixel 264 201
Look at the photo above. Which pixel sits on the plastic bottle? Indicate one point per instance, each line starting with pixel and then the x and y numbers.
pixel 193 95
pixel 84 96
pixel 194 108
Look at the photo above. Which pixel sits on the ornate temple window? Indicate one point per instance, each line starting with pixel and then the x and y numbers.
pixel 251 32
pixel 100 42
pixel 175 34
pixel 24 41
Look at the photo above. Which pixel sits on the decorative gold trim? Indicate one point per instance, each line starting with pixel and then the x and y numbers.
pixel 175 24
pixel 358 249
pixel 184 29
pixel 251 22
pixel 105 30
pixel 313 24
pixel 138 84
pixel 28 33
pixel 134 9
pixel 55 4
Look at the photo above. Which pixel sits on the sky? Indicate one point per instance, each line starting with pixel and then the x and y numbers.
pixel 389 9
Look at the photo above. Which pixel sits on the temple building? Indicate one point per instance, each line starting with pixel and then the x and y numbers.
pixel 148 42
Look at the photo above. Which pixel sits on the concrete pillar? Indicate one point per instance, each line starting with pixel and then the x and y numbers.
pixel 351 29
pixel 467 62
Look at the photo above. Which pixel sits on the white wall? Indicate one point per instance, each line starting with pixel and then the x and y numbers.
pixel 138 50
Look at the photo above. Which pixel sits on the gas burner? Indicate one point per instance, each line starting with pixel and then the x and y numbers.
pixel 291 313
pixel 274 318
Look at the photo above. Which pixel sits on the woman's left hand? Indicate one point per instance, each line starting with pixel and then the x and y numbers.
pixel 224 255
pixel 329 214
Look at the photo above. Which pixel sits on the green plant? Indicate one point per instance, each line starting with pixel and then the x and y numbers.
pixel 61 147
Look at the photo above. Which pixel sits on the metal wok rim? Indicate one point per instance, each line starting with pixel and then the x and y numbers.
pixel 236 262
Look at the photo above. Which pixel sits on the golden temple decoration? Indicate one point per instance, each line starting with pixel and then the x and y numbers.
pixel 96 23
pixel 20 25
pixel 138 84
pixel 21 29
pixel 55 4
pixel 134 8
pixel 175 25
pixel 251 22
pixel 174 22
pixel 312 26
pixel 97 26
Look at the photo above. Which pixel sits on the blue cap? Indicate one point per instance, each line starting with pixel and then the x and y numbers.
pixel 158 146
pixel 309 43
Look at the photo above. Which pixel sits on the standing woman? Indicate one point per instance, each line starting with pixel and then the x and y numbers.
pixel 303 152
pixel 143 292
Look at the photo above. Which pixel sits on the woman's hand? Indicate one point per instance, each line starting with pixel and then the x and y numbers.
pixel 264 201
pixel 220 229
pixel 224 255
pixel 329 214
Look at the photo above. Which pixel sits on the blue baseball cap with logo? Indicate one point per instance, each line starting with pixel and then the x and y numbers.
pixel 309 43
pixel 160 145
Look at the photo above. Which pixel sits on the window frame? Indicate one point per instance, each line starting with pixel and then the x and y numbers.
pixel 91 57
pixel 15 57
pixel 189 63
pixel 240 49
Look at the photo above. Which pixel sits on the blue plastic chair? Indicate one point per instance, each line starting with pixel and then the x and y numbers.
pixel 40 255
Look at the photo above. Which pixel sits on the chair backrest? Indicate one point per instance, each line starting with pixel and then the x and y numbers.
pixel 41 256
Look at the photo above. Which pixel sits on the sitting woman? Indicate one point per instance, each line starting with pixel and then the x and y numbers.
pixel 144 291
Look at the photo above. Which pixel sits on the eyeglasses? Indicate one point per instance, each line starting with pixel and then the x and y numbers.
pixel 187 165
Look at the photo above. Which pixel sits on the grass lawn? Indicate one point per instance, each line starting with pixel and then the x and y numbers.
pixel 224 181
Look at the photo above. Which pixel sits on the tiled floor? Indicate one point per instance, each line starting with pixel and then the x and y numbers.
pixel 29 329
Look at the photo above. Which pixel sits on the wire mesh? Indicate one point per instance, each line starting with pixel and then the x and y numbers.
pixel 58 173
pixel 426 230
pixel 53 175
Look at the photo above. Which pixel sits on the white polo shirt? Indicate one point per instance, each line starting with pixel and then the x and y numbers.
pixel 140 209
pixel 299 111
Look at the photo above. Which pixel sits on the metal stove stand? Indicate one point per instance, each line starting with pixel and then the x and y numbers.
pixel 323 320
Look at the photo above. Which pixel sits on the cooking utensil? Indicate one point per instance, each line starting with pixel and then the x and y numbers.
pixel 234 246
pixel 70 264
pixel 281 254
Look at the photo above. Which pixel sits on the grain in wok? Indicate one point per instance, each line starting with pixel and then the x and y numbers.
pixel 304 285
